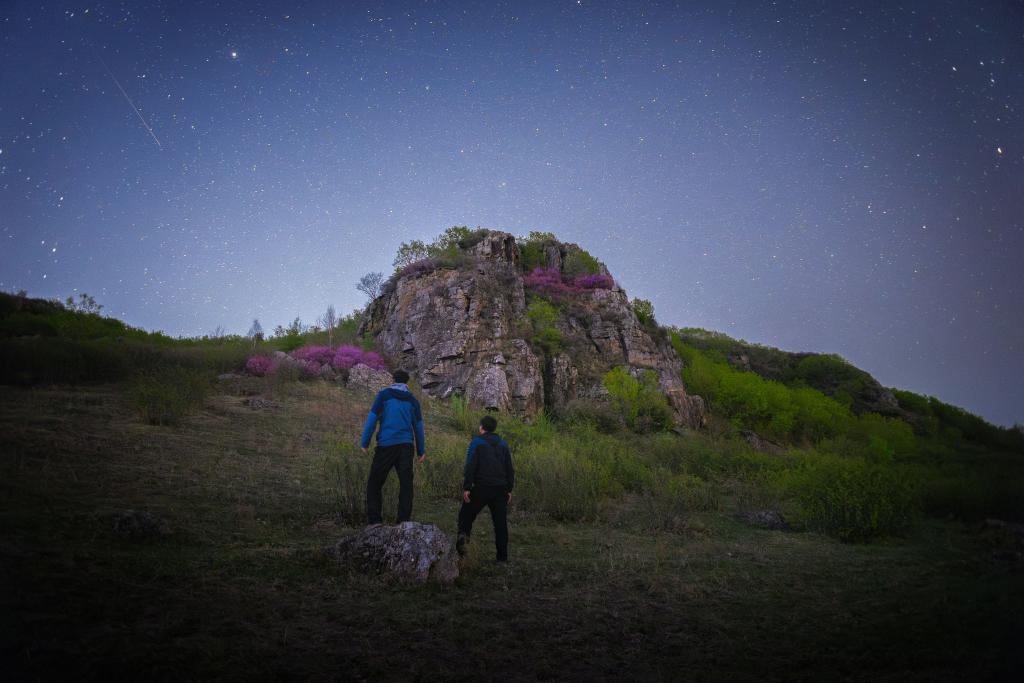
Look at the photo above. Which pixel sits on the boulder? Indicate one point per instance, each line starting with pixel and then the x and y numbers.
pixel 765 519
pixel 410 552
pixel 365 377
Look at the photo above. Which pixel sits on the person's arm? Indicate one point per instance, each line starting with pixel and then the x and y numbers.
pixel 510 471
pixel 417 419
pixel 469 472
pixel 370 426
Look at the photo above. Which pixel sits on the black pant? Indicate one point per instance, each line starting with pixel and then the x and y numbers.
pixel 496 498
pixel 398 456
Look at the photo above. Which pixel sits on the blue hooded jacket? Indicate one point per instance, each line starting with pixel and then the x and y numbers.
pixel 401 421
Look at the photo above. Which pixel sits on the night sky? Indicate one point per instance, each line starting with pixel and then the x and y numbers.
pixel 809 175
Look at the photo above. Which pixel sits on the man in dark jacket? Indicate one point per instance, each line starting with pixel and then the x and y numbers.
pixel 488 480
pixel 398 413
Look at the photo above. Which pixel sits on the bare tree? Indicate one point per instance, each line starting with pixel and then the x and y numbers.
pixel 84 304
pixel 370 285
pixel 329 320
pixel 255 332
pixel 218 332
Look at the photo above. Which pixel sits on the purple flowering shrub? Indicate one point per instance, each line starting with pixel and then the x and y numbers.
pixel 260 366
pixel 347 356
pixel 549 282
pixel 308 368
pixel 374 360
pixel 598 281
pixel 317 354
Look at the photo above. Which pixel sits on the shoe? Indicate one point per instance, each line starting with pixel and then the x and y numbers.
pixel 460 544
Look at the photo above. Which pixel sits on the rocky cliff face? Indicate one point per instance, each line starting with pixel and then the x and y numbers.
pixel 463 330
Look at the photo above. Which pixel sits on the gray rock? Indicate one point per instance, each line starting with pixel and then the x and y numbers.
pixel 765 519
pixel 228 376
pixel 464 331
pixel 260 403
pixel 410 552
pixel 759 443
pixel 326 372
pixel 139 524
pixel 364 376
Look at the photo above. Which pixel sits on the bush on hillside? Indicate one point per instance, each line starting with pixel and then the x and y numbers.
pixel 850 498
pixel 260 366
pixel 167 395
pixel 640 402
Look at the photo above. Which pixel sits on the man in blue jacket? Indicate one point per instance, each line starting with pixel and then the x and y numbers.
pixel 489 478
pixel 398 413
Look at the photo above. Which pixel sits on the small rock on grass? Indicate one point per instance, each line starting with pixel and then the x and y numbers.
pixel 410 552
pixel 765 519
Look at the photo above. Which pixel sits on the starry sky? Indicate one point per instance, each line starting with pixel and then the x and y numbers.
pixel 839 177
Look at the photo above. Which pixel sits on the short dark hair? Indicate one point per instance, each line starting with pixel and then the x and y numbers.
pixel 488 423
pixel 400 376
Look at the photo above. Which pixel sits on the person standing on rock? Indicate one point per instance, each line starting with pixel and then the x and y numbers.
pixel 488 480
pixel 398 414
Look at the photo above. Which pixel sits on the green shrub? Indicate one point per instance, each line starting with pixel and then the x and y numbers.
pixel 850 498
pixel 464 418
pixel 578 263
pixel 543 316
pixel 640 402
pixel 531 249
pixel 346 472
pixel 644 310
pixel 597 415
pixel 166 396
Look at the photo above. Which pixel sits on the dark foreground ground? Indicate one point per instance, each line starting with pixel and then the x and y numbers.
pixel 240 590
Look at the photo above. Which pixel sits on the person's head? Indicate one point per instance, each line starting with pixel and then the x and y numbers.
pixel 488 424
pixel 400 376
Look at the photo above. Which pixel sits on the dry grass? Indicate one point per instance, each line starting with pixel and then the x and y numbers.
pixel 239 589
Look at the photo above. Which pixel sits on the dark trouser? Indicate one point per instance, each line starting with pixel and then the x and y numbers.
pixel 398 456
pixel 496 498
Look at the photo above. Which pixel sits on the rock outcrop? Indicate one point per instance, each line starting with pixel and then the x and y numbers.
pixel 410 552
pixel 462 329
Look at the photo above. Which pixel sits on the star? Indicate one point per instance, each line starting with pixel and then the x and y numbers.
pixel 234 54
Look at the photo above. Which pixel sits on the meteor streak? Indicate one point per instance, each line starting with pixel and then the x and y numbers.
pixel 136 109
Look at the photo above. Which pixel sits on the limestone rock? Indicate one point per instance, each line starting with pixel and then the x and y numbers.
pixel 364 376
pixel 464 331
pixel 260 403
pixel 410 552
pixel 765 519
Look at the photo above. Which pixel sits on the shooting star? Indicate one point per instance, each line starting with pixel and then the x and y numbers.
pixel 136 109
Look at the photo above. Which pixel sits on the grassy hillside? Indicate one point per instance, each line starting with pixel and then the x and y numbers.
pixel 608 575
pixel 630 556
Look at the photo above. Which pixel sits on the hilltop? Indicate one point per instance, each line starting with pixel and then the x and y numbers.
pixel 686 502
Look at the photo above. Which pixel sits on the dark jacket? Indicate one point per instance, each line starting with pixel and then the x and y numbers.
pixel 401 421
pixel 489 463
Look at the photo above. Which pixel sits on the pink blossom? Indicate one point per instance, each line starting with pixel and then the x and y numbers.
pixel 374 360
pixel 259 365
pixel 598 281
pixel 346 356
pixel 308 368
pixel 547 281
pixel 317 354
